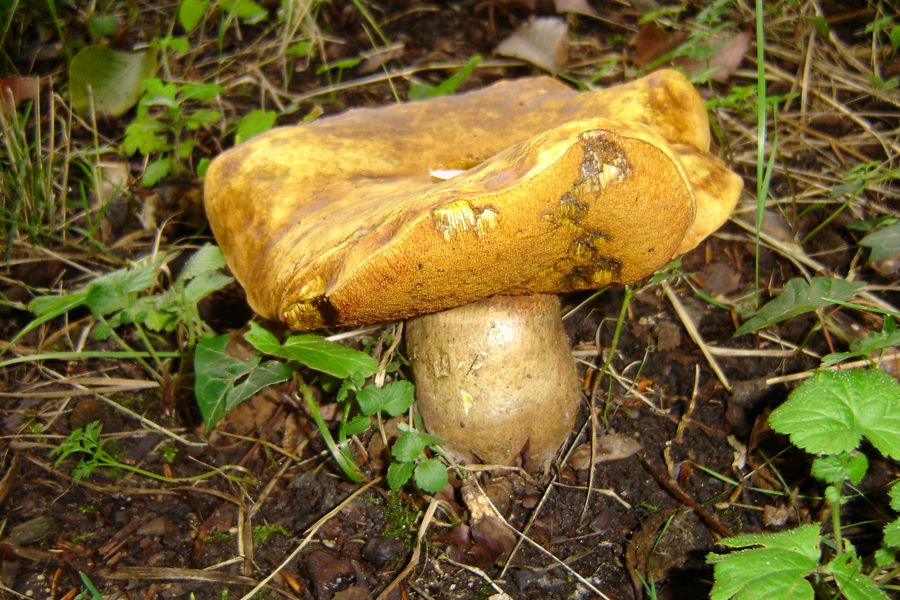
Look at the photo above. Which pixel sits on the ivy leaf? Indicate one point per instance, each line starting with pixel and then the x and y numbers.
pixel 395 398
pixel 431 475
pixel 223 382
pixel 854 584
pixel 398 474
pixel 800 297
pixel 775 569
pixel 830 412
pixel 315 352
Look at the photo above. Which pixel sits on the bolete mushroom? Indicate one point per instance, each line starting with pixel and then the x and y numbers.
pixel 342 222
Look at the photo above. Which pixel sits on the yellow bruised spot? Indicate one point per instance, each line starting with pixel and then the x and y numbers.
pixel 459 217
pixel 467 400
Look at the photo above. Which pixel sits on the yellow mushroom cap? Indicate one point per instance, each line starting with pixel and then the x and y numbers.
pixel 342 221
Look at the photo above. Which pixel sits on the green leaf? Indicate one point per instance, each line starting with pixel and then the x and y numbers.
pixel 892 534
pixel 398 473
pixel 411 445
pixel 223 382
pixel 776 569
pixel 835 468
pixel 356 425
pixel 118 289
pixel 100 26
pixel 207 259
pixel 888 337
pixel 112 77
pixel 254 123
pixel 431 475
pixel 200 92
pixel 145 135
pixel 201 118
pixel 190 13
pixel 800 297
pixel 830 412
pixel 885 243
pixel 394 398
pixel 315 352
pixel 421 91
pixel 156 170
pixel 854 584
pixel 247 11
pixel 894 495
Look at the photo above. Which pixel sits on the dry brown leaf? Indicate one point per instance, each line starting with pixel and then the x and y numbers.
pixel 544 42
pixel 580 7
pixel 652 42
pixel 726 59
pixel 612 446
pixel 15 90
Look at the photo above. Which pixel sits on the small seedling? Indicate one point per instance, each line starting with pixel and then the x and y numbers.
pixel 165 113
pixel 95 453
pixel 410 460
pixel 827 416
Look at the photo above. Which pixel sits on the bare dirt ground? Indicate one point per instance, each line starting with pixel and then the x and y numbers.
pixel 694 397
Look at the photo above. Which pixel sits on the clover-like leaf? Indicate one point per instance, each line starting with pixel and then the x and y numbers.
pixel 395 398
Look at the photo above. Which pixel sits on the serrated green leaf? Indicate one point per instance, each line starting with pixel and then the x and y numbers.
pixel 145 135
pixel 394 398
pixel 800 297
pixel 113 78
pixel 892 534
pixel 254 123
pixel 204 285
pixel 776 569
pixel 315 352
pixel 431 475
pixel 830 412
pixel 854 585
pixel 835 468
pixel 411 444
pixel 200 92
pixel 894 495
pixel 398 474
pixel 201 118
pixel 885 243
pixel 118 289
pixel 190 13
pixel 222 381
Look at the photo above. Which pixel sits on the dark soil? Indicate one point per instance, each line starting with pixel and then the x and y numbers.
pixel 708 465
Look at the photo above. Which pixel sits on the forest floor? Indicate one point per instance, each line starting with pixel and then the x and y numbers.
pixel 687 399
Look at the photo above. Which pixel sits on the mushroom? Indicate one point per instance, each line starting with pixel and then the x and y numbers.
pixel 351 220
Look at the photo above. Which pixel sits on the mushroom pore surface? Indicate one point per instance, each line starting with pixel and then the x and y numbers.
pixel 495 379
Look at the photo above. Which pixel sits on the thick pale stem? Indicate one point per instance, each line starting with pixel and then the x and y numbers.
pixel 496 379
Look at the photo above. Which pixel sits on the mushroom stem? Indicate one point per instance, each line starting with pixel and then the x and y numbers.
pixel 496 379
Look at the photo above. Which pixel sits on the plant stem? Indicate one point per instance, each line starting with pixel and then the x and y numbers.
pixel 350 469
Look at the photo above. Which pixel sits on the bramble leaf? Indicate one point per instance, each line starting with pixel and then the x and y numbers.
pixel 830 412
pixel 777 568
pixel 800 297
